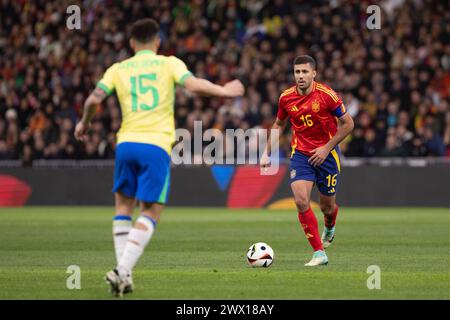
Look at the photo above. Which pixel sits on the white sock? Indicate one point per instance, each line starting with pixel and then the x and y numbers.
pixel 121 229
pixel 132 250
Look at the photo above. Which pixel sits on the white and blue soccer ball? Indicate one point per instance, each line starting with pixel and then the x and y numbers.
pixel 260 254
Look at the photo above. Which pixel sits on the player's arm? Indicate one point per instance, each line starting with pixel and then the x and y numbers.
pixel 104 87
pixel 94 99
pixel 277 125
pixel 345 126
pixel 202 86
pixel 184 77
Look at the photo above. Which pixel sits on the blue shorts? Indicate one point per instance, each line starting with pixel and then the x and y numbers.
pixel 142 171
pixel 326 176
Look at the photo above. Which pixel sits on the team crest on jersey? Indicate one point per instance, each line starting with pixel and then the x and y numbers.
pixel 293 173
pixel 315 106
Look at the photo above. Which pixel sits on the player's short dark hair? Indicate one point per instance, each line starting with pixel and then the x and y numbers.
pixel 306 59
pixel 144 30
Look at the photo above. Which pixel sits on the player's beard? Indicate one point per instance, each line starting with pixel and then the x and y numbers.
pixel 304 87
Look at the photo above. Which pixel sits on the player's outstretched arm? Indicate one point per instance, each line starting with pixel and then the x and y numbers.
pixel 265 158
pixel 231 89
pixel 94 99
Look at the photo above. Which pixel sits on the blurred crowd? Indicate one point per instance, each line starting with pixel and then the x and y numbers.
pixel 394 81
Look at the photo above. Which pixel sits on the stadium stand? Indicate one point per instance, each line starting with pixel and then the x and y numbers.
pixel 395 81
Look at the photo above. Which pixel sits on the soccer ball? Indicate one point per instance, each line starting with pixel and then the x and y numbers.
pixel 260 254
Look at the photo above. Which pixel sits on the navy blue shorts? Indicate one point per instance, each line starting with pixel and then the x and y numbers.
pixel 142 171
pixel 326 176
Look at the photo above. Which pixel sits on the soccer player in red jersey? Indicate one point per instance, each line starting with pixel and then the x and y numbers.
pixel 319 122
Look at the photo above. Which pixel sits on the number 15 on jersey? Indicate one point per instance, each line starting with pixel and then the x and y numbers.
pixel 139 84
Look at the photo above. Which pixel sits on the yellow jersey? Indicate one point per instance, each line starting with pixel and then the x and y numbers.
pixel 145 87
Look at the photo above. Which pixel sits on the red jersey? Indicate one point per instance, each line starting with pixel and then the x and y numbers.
pixel 313 116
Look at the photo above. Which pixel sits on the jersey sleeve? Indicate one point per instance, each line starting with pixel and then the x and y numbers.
pixel 179 70
pixel 333 103
pixel 107 83
pixel 281 113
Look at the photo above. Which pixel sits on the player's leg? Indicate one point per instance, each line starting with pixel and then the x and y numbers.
pixel 122 221
pixel 125 184
pixel 302 182
pixel 330 210
pixel 153 182
pixel 327 183
pixel 139 237
pixel 302 192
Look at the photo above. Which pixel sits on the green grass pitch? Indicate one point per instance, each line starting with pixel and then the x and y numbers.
pixel 201 254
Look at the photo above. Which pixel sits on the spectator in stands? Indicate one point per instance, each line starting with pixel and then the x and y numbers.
pixel 395 81
pixel 434 143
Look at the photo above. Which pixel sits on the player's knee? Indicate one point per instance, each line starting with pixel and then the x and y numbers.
pixel 302 204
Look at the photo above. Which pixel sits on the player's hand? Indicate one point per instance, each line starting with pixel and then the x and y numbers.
pixel 264 163
pixel 319 155
pixel 233 89
pixel 81 131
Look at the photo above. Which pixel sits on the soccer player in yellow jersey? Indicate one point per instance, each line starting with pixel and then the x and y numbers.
pixel 145 85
